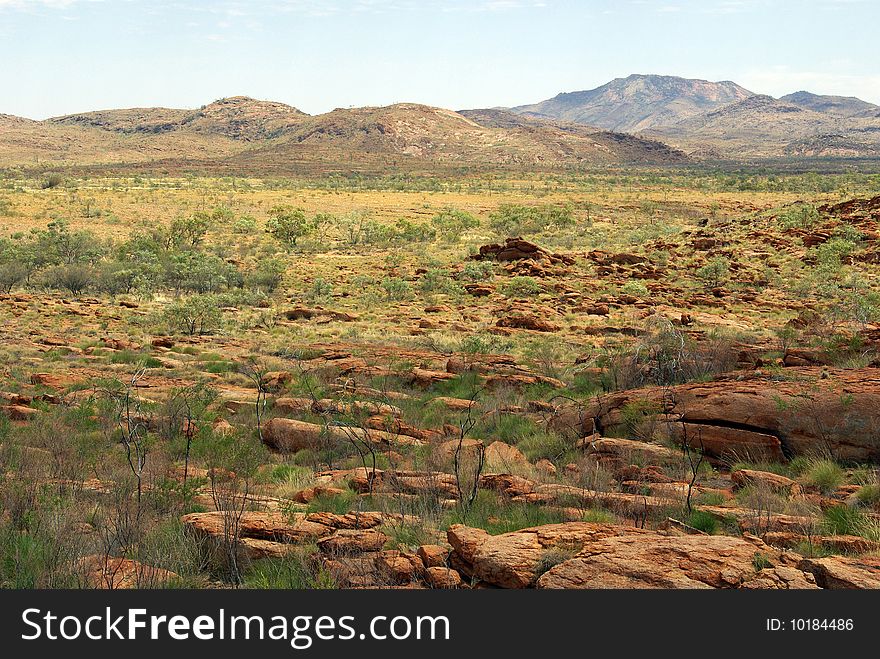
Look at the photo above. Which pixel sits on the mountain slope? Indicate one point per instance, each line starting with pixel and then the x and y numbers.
pixel 245 135
pixel 237 117
pixel 638 102
pixel 763 127
pixel 841 106
pixel 412 133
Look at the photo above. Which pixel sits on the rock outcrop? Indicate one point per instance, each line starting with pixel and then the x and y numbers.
pixel 588 555
pixel 751 415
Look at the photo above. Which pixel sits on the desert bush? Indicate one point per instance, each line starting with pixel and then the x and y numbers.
pixel 802 216
pixel 11 274
pixel 665 356
pixel 635 288
pixel 451 223
pixel 74 278
pixel 320 292
pixel 517 219
pixel 244 225
pixel 51 180
pixel 396 289
pixel 288 224
pixel 521 287
pixel 477 271
pixel 193 316
pixel 58 245
pixel 715 272
pixel 438 280
pixel 484 343
pixel 267 275
pixel 411 232
pixel 826 475
pixel 189 231
pixel 199 272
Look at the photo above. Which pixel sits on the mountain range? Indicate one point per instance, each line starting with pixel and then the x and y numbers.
pixel 722 120
pixel 640 119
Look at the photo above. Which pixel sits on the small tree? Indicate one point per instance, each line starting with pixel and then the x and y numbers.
pixel 451 223
pixel 288 224
pixel 715 272
pixel 194 316
pixel 233 462
pixel 255 370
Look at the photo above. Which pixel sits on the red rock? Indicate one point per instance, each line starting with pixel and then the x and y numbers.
pixel 527 321
pixel 442 577
pixel 775 482
pixel 352 541
pixel 19 412
pixel 839 572
pixel 112 573
pixel 433 555
pixel 751 415
pixel 53 380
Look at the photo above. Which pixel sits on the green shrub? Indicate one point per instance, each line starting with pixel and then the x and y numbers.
pixel 635 288
pixel 521 287
pixel 193 316
pixel 288 224
pixel 843 520
pixel 267 275
pixel 869 495
pixel 802 216
pixel 74 277
pixel 477 271
pixel 518 220
pixel 396 288
pixel 51 180
pixel 437 280
pixel 760 561
pixel 704 521
pixel 451 223
pixel 826 475
pixel 715 272
pixel 296 571
pixel 244 225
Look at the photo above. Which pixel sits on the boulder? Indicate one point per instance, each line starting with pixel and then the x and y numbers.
pixel 775 482
pixel 353 541
pixel 500 455
pixel 753 415
pixel 112 573
pixel 291 435
pixel 656 561
pixel 527 321
pixel 513 560
pixel 442 577
pixel 433 555
pixel 19 412
pixel 837 572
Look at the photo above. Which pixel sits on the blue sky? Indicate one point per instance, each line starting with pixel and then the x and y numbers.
pixel 63 56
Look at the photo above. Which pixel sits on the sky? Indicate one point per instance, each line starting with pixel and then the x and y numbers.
pixel 65 56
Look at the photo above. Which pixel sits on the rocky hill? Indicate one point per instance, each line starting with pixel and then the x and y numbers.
pixel 638 102
pixel 841 106
pixel 422 133
pixel 763 127
pixel 244 134
pixel 237 117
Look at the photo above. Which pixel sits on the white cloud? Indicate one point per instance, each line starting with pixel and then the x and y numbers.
pixel 25 4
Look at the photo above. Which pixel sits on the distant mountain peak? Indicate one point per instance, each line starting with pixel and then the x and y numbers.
pixel 638 102
pixel 841 106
